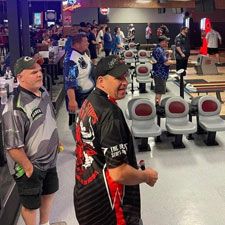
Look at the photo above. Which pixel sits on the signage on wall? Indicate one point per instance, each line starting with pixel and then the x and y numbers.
pixel 70 5
pixel 104 11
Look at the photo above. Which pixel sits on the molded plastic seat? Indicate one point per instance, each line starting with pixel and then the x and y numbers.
pixel 129 57
pixel 143 115
pixel 209 117
pixel 143 56
pixel 143 73
pixel 176 109
pixel 143 76
pixel 132 47
pixel 129 105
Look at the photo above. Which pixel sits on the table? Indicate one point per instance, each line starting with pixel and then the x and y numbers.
pixel 53 66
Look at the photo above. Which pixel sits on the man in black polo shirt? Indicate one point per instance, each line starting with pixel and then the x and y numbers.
pixel 182 43
pixel 31 142
pixel 107 175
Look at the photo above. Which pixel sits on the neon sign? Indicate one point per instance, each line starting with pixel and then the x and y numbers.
pixel 70 5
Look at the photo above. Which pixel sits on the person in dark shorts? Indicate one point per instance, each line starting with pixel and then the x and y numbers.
pixel 93 44
pixel 107 176
pixel 31 141
pixel 161 67
pixel 182 43
pixel 213 40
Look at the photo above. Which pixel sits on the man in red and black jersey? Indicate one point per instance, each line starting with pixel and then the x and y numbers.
pixel 107 175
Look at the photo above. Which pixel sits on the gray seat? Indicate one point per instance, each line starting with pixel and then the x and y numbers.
pixel 143 115
pixel 209 117
pixel 129 57
pixel 143 56
pixel 132 47
pixel 177 123
pixel 143 76
pixel 129 105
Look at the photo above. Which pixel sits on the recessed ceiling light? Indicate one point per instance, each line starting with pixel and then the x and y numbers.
pixel 143 1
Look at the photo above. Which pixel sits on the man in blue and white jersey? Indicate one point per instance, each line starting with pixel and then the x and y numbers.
pixel 78 77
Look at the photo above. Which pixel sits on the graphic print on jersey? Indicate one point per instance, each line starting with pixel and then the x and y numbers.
pixel 84 147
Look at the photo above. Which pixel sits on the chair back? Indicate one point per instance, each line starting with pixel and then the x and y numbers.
pixel 143 70
pixel 176 107
pixel 132 46
pixel 128 54
pixel 143 109
pixel 209 106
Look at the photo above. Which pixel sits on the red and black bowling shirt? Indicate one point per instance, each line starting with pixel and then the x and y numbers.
pixel 103 142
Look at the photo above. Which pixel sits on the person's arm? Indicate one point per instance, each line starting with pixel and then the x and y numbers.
pixel 70 72
pixel 72 104
pixel 125 174
pixel 19 156
pixel 168 63
pixel 180 51
pixel 115 146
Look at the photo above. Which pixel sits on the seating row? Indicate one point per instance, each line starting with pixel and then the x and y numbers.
pixel 143 114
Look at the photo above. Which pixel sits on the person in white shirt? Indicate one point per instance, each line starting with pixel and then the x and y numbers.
pixel 212 43
pixel 148 35
pixel 122 37
pixel 99 38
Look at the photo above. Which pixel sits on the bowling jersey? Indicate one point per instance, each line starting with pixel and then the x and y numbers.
pixel 103 142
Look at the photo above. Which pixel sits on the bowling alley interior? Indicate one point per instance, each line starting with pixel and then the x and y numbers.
pixel 181 135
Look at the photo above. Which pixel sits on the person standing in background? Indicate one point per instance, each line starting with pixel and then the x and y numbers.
pixel 99 38
pixel 212 43
pixel 148 35
pixel 182 43
pixel 107 41
pixel 131 33
pixel 117 46
pixel 161 67
pixel 93 44
pixel 78 77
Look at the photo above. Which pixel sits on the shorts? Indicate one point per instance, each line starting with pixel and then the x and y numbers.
pixel 181 64
pixel 160 85
pixel 212 51
pixel 93 54
pixel 40 183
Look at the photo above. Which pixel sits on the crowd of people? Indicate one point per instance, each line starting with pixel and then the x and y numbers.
pixel 107 175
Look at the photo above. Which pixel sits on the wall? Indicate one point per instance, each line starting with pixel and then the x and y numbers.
pixel 84 15
pixel 132 15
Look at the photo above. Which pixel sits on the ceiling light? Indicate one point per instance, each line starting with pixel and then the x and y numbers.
pixel 143 1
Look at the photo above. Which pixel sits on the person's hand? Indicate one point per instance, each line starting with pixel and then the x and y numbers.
pixel 151 176
pixel 183 55
pixel 72 106
pixel 29 171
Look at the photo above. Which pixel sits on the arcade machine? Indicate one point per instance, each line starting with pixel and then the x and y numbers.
pixel 205 27
pixel 205 66
pixel 50 17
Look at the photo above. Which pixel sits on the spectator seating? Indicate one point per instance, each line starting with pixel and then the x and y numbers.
pixel 209 118
pixel 132 46
pixel 143 115
pixel 129 106
pixel 143 76
pixel 177 123
pixel 143 56
pixel 129 57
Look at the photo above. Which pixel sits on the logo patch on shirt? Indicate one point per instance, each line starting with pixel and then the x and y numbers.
pixel 82 63
pixel 36 113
